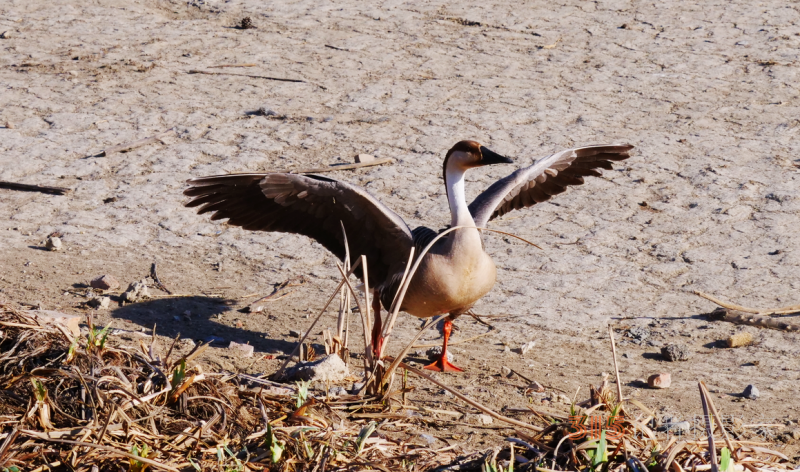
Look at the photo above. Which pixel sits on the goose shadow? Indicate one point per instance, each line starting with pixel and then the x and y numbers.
pixel 200 319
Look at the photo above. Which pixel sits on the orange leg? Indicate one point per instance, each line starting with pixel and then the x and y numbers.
pixel 443 365
pixel 377 326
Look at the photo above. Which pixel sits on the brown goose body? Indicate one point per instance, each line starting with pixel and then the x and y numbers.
pixel 455 273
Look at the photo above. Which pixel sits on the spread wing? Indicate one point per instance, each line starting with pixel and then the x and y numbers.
pixel 312 206
pixel 544 178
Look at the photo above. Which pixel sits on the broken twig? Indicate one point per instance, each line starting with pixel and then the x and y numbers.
pixel 33 188
pixel 279 79
pixel 132 145
pixel 738 317
pixel 154 276
pixel 758 311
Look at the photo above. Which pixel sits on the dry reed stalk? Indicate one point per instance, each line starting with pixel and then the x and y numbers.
pixel 757 311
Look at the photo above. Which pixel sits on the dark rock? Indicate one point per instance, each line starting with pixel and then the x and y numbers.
pixel 676 352
pixel 751 392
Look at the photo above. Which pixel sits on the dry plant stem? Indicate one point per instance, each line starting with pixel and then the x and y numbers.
pixel 33 188
pixel 303 339
pixel 317 170
pixel 712 450
pixel 134 144
pixel 470 401
pixel 232 65
pixel 616 368
pixel 364 322
pixel 716 416
pixel 399 358
pixel 757 311
pixel 144 460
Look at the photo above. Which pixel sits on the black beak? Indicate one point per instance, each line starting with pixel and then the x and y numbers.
pixel 491 157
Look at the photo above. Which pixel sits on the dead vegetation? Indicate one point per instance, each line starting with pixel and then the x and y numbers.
pixel 81 404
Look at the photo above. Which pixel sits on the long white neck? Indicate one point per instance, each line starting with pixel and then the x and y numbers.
pixel 459 212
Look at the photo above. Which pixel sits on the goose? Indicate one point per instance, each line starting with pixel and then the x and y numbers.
pixel 454 274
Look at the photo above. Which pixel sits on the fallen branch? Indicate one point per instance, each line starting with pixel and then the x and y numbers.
pixel 134 144
pixel 279 79
pixel 758 311
pixel 33 188
pixel 737 317
pixel 154 276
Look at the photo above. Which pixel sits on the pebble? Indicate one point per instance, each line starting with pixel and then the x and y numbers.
pixel 681 427
pixel 54 243
pixel 561 398
pixel 639 333
pixel 244 350
pixel 337 391
pixel 740 339
pixel 136 291
pixel 445 393
pixel 751 392
pixel 6 34
pixel 329 368
pixel 294 334
pixel 676 352
pixel 662 380
pixel 104 282
pixel 505 371
pixel 485 419
pixel 526 347
pixel 365 158
pixel 435 353
pixel 100 303
pixel 356 387
pixel 536 387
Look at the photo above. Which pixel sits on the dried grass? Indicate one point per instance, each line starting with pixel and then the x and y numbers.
pixel 83 405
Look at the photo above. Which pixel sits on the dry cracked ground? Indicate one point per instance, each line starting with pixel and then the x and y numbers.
pixel 706 91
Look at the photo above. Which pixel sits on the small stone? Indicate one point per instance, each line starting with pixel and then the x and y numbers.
pixel 681 427
pixel 356 387
pixel 214 339
pixel 625 355
pixel 266 111
pixel 505 371
pixel 187 343
pixel 329 368
pixel 751 392
pixel 445 393
pixel 136 291
pixel 435 353
pixel 527 347
pixel 54 243
pixel 427 438
pixel 294 333
pixel 365 158
pixel 662 380
pixel 337 391
pixel 104 282
pixel 49 317
pixel 740 339
pixel 639 333
pixel 100 303
pixel 10 125
pixel 676 352
pixel 561 398
pixel 536 387
pixel 243 350
pixel 246 23
pixel 6 35
pixel 485 419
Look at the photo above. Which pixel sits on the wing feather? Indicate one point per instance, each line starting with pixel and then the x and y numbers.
pixel 544 178
pixel 313 206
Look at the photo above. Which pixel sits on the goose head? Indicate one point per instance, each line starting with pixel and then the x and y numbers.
pixel 470 154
